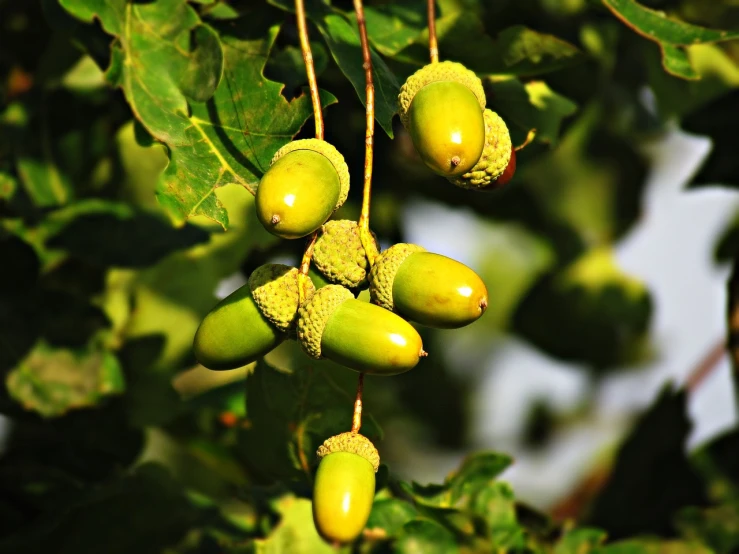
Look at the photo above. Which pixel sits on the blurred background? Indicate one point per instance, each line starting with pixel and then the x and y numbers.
pixel 606 257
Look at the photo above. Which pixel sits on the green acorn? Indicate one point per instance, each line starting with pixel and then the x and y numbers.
pixel 340 256
pixel 344 488
pixel 275 289
pixel 441 107
pixel 306 182
pixel 234 333
pixel 427 288
pixel 497 162
pixel 356 334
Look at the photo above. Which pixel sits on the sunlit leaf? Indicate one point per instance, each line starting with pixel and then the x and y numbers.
pixel 672 35
pixel 229 139
pixel 52 382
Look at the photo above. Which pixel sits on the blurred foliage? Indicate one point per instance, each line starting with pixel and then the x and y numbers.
pixel 131 135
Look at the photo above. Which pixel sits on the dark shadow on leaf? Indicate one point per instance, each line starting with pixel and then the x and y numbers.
pixel 228 144
pixel 653 478
pixel 138 241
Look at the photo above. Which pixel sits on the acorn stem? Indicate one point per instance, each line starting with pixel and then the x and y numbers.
pixel 528 140
pixel 433 45
pixel 369 137
pixel 305 266
pixel 318 117
pixel 357 417
pixel 309 68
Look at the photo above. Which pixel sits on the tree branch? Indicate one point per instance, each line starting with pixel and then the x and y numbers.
pixel 433 45
pixel 357 418
pixel 309 67
pixel 364 233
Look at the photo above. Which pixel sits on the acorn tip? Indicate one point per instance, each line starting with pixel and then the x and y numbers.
pixel 456 161
pixel 423 353
pixel 275 219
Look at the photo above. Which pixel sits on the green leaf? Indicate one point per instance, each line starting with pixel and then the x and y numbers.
pixel 657 26
pixel 518 50
pixel 672 35
pixel 495 504
pixel 477 470
pixel 229 139
pixel 593 181
pixel 343 42
pixel 8 186
pixel 200 79
pixel 296 532
pixel 652 546
pixel 290 414
pixel 528 52
pixel 394 26
pixel 676 62
pixel 718 463
pixel 717 527
pixel 424 536
pixel 342 39
pixel 52 382
pixel 287 65
pixel 44 182
pixel 389 515
pixel 588 312
pixel 529 107
pixel 580 541
pixel 717 75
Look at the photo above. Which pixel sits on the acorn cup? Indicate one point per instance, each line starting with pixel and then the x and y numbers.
pixel 497 162
pixel 427 288
pixel 344 487
pixel 340 256
pixel 251 321
pixel 441 106
pixel 306 182
pixel 358 335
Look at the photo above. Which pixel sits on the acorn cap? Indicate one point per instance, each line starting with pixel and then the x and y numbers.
pixel 432 73
pixel 274 288
pixel 315 313
pixel 353 443
pixel 383 273
pixel 495 156
pixel 330 152
pixel 339 254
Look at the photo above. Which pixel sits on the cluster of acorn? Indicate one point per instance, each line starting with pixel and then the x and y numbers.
pixel 443 107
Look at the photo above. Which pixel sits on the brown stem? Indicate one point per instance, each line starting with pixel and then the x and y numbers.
pixel 528 140
pixel 732 316
pixel 357 418
pixel 369 138
pixel 706 366
pixel 309 67
pixel 433 45
pixel 305 266
pixel 318 117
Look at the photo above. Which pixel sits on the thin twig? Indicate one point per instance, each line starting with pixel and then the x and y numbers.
pixel 732 319
pixel 318 117
pixel 369 138
pixel 309 67
pixel 706 366
pixel 305 266
pixel 433 45
pixel 357 417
